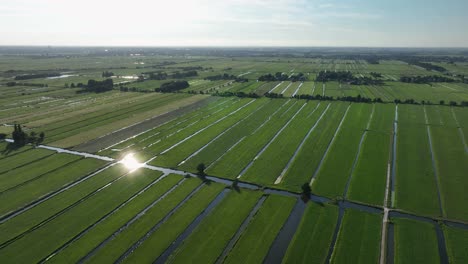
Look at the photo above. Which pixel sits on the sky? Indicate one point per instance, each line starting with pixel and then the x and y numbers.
pixel 362 23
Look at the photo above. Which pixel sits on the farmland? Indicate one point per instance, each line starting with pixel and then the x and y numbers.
pixel 220 171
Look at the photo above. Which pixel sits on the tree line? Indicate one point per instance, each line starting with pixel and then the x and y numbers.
pixel 238 94
pixel 11 84
pixel 346 77
pixel 107 74
pixel 426 65
pixel 98 86
pixel 226 76
pixel 175 75
pixel 280 76
pixel 172 86
pixel 425 79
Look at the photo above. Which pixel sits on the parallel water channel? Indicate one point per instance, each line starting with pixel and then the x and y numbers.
pixel 164 256
pixel 281 243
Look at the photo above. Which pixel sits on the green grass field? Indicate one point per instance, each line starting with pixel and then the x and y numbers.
pixel 207 242
pixel 65 206
pixel 358 239
pixel 314 235
pixel 457 241
pixel 253 245
pixel 415 242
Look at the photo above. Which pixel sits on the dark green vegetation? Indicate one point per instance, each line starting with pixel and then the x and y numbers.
pixel 314 127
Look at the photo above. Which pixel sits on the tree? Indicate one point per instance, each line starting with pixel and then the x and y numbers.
pixel 235 185
pixel 19 136
pixel 41 137
pixel 201 169
pixel 441 102
pixel 32 137
pixel 306 190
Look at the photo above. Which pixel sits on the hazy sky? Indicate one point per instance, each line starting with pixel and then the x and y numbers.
pixel 420 23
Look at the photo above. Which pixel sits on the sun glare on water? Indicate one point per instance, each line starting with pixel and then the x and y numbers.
pixel 130 162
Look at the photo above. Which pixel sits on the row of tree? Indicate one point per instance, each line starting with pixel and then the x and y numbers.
pixel 21 138
pixel 348 77
pixel 99 86
pixel 226 76
pixel 11 84
pixel 376 74
pixel 172 86
pixel 107 74
pixel 427 66
pixel 238 94
pixel 280 76
pixel 340 76
pixel 425 79
pixel 176 75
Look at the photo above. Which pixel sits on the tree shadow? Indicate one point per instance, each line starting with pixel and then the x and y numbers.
pixel 10 147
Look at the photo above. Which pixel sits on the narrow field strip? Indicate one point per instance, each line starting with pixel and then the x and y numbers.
pixel 286 88
pixel 358 153
pixel 204 128
pixel 12 201
pixel 168 129
pixel 240 231
pixel 106 231
pixel 298 149
pixel 254 243
pixel 415 242
pixel 270 142
pixel 222 133
pixel 111 249
pixel 166 235
pixel 22 159
pixel 329 145
pixel 45 198
pixel 172 158
pixel 158 225
pixel 227 141
pixel 297 89
pixel 142 137
pixel 28 220
pixel 73 221
pixel 31 171
pixel 191 227
pixel 101 115
pixel 451 164
pixel 359 238
pixel 209 239
pixel 460 130
pixel 67 129
pixel 313 236
pixel 119 211
pixel 436 175
pixel 166 133
pixel 457 239
pixel 308 159
pixel 274 88
pixel 278 248
pixel 270 117
pixel 414 170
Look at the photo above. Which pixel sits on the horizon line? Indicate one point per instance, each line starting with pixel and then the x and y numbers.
pixel 227 46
